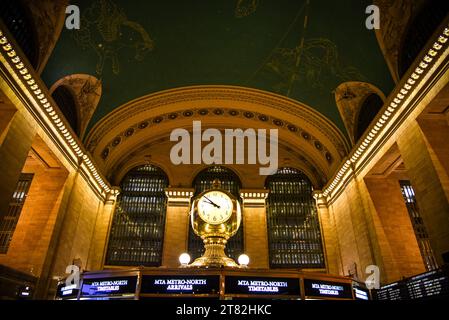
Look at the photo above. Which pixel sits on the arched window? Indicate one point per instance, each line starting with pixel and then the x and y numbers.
pixel 137 232
pixel 229 182
pixel 368 111
pixel 293 227
pixel 18 21
pixel 419 32
pixel 66 102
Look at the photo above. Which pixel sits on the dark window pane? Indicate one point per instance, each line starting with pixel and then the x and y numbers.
pixel 294 235
pixel 137 232
pixel 66 103
pixel 368 111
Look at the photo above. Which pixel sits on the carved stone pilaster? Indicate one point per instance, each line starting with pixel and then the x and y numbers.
pixel 254 198
pixel 179 197
pixel 111 197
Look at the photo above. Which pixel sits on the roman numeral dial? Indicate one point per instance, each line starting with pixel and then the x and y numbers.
pixel 215 207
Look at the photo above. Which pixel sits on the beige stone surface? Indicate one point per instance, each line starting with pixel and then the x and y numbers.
pixel 13 154
pixel 429 180
pixel 34 229
pixel 394 230
pixel 176 234
pixel 255 236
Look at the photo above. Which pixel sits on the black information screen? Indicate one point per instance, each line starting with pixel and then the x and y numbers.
pixel 113 286
pixel 327 289
pixel 361 294
pixel 180 284
pixel 262 286
pixel 67 292
pixel 360 291
pixel 430 284
pixel 424 286
pixel 394 291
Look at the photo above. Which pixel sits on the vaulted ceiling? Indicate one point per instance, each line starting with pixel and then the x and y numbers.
pixel 300 49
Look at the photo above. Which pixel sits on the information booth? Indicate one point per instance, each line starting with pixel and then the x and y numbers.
pixel 224 284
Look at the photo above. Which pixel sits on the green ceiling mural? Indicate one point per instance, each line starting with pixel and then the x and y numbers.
pixel 297 48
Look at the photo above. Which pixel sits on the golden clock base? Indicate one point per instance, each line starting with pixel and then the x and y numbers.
pixel 214 256
pixel 214 262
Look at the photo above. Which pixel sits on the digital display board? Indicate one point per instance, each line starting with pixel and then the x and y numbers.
pixel 180 284
pixel 262 286
pixel 67 292
pixel 430 284
pixel 393 291
pixel 327 289
pixel 360 291
pixel 113 286
pixel 361 294
pixel 424 286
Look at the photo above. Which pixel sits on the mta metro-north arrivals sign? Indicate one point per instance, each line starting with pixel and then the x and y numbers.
pixel 180 284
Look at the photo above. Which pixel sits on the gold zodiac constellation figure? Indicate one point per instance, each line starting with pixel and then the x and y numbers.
pixel 245 8
pixel 107 30
pixel 319 59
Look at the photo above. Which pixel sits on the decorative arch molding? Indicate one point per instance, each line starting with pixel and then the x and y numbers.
pixel 142 154
pixel 394 20
pixel 349 97
pixel 48 17
pixel 199 114
pixel 217 106
pixel 87 91
pixel 128 165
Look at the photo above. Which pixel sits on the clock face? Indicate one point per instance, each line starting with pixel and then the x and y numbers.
pixel 215 207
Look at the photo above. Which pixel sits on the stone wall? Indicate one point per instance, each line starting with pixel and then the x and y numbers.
pixel 397 240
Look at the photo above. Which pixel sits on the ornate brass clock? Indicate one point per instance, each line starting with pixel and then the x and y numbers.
pixel 215 216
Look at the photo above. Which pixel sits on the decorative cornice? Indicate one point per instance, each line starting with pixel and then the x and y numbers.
pixel 111 197
pixel 44 109
pixel 395 104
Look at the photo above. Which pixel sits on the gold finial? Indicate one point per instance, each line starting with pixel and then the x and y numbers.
pixel 216 184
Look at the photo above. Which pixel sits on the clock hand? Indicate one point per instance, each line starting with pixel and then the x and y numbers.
pixel 212 203
pixel 208 202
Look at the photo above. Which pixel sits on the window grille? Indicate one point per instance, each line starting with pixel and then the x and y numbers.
pixel 9 222
pixel 137 232
pixel 294 234
pixel 418 225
